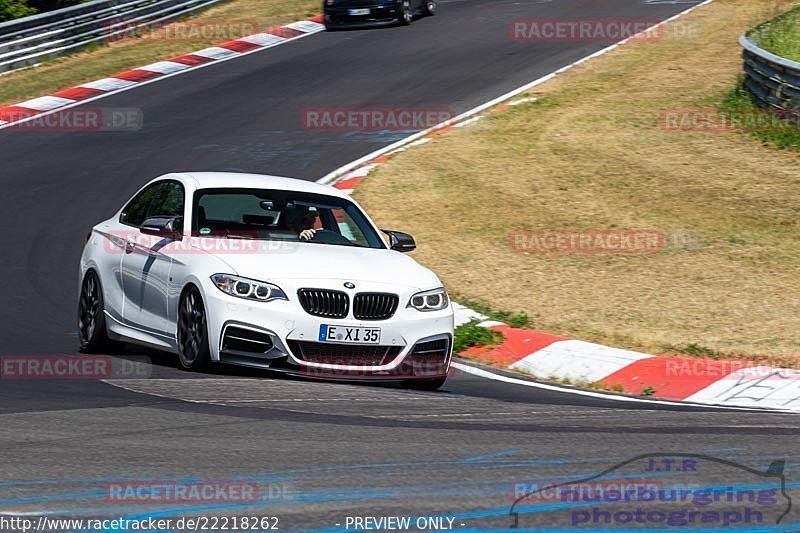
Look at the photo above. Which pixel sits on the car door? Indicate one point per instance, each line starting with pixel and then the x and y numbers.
pixel 146 263
pixel 110 237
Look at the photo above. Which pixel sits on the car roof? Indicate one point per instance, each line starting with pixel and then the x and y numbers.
pixel 235 180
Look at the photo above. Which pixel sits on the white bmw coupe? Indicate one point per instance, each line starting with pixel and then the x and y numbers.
pixel 267 272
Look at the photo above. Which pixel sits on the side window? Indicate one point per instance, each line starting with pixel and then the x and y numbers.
pixel 172 204
pixel 165 198
pixel 137 209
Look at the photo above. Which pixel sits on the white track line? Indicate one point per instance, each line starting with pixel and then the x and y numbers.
pixel 479 372
pixel 332 176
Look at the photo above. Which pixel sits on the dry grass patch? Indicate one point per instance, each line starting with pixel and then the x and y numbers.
pixel 232 18
pixel 591 154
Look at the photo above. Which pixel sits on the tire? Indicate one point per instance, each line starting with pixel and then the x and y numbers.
pixel 92 332
pixel 430 8
pixel 193 352
pixel 406 13
pixel 424 384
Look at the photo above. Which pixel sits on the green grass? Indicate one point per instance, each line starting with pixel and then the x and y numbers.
pixel 781 35
pixel 593 385
pixel 698 350
pixel 14 9
pixel 785 135
pixel 515 320
pixel 470 334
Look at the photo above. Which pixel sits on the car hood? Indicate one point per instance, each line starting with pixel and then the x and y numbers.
pixel 273 261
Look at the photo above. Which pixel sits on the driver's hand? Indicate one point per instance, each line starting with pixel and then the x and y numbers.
pixel 307 234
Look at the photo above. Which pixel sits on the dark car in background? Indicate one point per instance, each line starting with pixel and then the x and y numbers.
pixel 360 13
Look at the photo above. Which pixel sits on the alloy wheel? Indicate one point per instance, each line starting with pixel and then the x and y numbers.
pixel 89 307
pixel 408 15
pixel 191 328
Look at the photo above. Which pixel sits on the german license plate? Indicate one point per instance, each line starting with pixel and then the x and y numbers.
pixel 357 12
pixel 349 335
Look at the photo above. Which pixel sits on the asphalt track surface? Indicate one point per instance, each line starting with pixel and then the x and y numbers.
pixel 325 450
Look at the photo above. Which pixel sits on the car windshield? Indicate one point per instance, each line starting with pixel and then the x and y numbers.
pixel 281 216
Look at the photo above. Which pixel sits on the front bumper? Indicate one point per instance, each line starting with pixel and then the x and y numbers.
pixel 281 335
pixel 382 13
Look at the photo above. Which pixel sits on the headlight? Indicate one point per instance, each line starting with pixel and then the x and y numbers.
pixel 249 289
pixel 434 300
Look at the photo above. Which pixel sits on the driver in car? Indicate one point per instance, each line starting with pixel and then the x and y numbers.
pixel 301 220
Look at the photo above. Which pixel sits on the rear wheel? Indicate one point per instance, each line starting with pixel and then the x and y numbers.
pixel 406 13
pixel 430 8
pixel 91 317
pixel 193 352
pixel 424 384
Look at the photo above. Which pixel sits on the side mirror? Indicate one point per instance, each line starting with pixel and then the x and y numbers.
pixel 399 241
pixel 167 227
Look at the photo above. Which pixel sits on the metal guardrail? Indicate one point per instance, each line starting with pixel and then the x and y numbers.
pixel 774 81
pixel 29 40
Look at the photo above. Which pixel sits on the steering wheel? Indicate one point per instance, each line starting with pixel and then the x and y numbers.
pixel 326 236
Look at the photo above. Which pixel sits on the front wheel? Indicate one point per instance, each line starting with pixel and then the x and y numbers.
pixel 430 8
pixel 193 352
pixel 424 384
pixel 406 13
